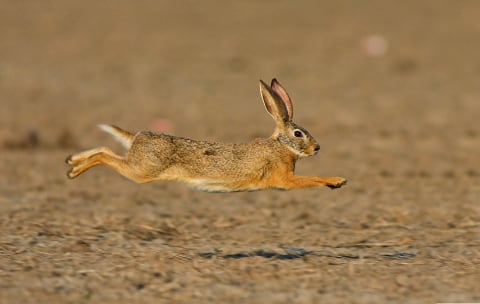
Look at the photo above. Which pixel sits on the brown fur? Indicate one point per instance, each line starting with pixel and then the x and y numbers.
pixel 210 166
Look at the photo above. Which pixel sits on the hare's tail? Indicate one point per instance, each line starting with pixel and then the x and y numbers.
pixel 124 137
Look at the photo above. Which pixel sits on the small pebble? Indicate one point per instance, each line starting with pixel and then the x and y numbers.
pixel 161 125
pixel 375 45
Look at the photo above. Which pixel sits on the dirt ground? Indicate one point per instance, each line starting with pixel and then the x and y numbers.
pixel 390 90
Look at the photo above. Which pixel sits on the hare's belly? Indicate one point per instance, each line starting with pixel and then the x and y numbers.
pixel 214 179
pixel 211 185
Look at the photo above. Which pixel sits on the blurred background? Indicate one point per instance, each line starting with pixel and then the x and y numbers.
pixel 400 77
pixel 390 89
pixel 72 65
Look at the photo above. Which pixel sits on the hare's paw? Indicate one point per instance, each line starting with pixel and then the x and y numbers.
pixel 69 160
pixel 74 171
pixel 76 162
pixel 336 182
pixel 71 173
pixel 75 159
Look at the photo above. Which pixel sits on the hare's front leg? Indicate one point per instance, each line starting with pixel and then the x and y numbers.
pixel 83 161
pixel 300 182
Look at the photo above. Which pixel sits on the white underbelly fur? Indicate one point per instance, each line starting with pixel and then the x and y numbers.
pixel 214 185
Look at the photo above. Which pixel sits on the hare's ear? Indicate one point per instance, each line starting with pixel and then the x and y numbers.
pixel 274 104
pixel 277 88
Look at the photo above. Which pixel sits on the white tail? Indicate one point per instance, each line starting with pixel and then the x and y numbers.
pixel 122 136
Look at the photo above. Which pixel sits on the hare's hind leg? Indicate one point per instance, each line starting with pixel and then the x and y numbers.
pixel 300 182
pixel 83 161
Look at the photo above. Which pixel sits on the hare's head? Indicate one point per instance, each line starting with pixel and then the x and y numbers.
pixel 279 106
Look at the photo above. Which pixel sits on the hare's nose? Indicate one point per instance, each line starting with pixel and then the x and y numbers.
pixel 317 148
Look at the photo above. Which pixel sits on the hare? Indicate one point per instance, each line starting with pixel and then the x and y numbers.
pixel 266 163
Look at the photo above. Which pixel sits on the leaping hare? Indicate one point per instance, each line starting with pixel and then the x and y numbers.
pixel 211 166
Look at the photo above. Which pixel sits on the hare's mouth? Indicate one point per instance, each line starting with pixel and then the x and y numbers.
pixel 306 154
pixel 303 152
pixel 311 151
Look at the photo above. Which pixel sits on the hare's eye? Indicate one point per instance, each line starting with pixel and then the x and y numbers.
pixel 298 133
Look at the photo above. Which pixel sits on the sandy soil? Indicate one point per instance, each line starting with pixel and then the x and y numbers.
pixel 402 124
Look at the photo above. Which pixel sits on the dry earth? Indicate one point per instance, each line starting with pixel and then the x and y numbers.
pixel 402 124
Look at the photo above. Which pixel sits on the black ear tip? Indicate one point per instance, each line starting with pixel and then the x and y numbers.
pixel 262 83
pixel 274 81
